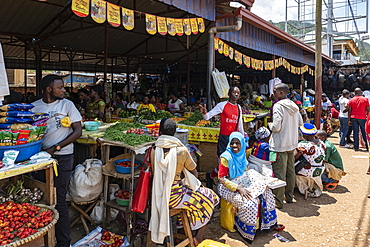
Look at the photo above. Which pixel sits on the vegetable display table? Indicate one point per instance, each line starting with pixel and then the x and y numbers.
pixel 49 190
pixel 130 152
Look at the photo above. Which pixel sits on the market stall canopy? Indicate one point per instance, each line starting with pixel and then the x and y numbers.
pixel 4 88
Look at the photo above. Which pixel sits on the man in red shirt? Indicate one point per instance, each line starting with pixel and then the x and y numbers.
pixel 230 120
pixel 358 108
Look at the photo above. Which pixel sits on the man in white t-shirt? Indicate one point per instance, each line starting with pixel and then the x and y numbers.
pixel 58 141
pixel 343 118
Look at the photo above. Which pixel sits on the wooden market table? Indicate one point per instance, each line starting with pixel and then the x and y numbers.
pixel 110 171
pixel 48 187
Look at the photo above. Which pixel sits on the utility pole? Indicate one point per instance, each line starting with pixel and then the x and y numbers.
pixel 318 63
pixel 286 16
pixel 330 29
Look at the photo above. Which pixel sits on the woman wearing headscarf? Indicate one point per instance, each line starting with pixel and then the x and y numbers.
pixel 171 162
pixel 259 158
pixel 247 191
pixel 309 167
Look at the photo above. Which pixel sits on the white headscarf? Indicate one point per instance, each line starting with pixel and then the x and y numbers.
pixel 262 133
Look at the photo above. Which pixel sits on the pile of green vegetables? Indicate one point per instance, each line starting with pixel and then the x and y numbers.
pixel 126 114
pixel 115 133
pixel 213 124
pixel 193 119
pixel 149 115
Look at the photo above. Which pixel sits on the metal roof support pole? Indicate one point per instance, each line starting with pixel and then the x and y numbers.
pixel 273 72
pixel 71 69
pixel 38 68
pixel 318 63
pixel 105 54
pixel 211 53
pixel 188 76
pixel 25 68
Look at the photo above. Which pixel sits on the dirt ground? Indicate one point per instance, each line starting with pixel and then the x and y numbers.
pixel 337 218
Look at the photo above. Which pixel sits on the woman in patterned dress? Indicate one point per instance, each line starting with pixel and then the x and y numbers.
pixel 308 178
pixel 247 191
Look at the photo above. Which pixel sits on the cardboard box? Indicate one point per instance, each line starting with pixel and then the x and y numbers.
pixel 209 160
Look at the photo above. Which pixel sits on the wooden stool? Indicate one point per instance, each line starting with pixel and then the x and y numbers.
pixel 84 214
pixel 187 239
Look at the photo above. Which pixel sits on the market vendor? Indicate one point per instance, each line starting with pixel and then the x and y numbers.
pixel 119 103
pixel 230 120
pixel 96 106
pixel 146 105
pixel 175 105
pixel 58 141
pixel 132 105
pixel 171 161
pixel 83 98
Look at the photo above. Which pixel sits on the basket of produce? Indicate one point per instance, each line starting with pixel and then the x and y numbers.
pixel 28 222
pixel 124 165
pixel 91 125
pixel 122 197
pixel 25 150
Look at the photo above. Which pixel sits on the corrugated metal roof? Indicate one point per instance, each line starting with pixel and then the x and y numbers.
pixel 254 38
pixel 201 8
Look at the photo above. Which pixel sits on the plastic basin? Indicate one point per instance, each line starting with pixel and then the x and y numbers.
pixel 122 202
pixel 25 150
pixel 91 125
pixel 126 170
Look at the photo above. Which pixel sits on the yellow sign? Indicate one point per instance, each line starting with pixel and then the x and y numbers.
pixel 80 7
pixel 226 50
pixel 179 27
pixel 220 46
pixel 162 25
pixel 231 53
pixel 247 61
pixel 194 25
pixel 151 24
pixel 238 57
pixel 201 25
pixel 98 11
pixel 171 26
pixel 187 28
pixel 114 15
pixel 128 18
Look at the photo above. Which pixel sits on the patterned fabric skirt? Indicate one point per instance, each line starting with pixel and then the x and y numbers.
pixel 327 122
pixel 248 211
pixel 199 204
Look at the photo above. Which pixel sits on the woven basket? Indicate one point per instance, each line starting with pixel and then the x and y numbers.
pixel 41 231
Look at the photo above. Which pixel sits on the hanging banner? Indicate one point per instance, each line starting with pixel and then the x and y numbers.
pixel 238 57
pixel 80 7
pixel 231 53
pixel 220 46
pixel 98 11
pixel 162 25
pixel 201 25
pixel 128 18
pixel 194 25
pixel 226 50
pixel 179 27
pixel 247 61
pixel 171 30
pixel 187 28
pixel 114 15
pixel 151 24
pixel 215 43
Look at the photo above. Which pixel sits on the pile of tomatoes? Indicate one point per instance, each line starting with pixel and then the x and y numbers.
pixel 136 131
pixel 122 194
pixel 112 239
pixel 154 132
pixel 124 163
pixel 21 220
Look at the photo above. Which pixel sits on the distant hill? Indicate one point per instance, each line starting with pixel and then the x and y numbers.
pixel 364 52
pixel 296 27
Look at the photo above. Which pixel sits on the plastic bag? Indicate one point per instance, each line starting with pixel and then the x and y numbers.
pixel 221 84
pixel 98 211
pixel 227 219
pixel 86 182
pixel 11 120
pixel 5 126
pixel 17 106
pixel 16 114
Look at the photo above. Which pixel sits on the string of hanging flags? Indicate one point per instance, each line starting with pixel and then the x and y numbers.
pixel 257 64
pixel 102 11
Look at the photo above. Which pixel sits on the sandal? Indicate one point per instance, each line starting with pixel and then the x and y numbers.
pixel 331 186
pixel 279 228
pixel 368 173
